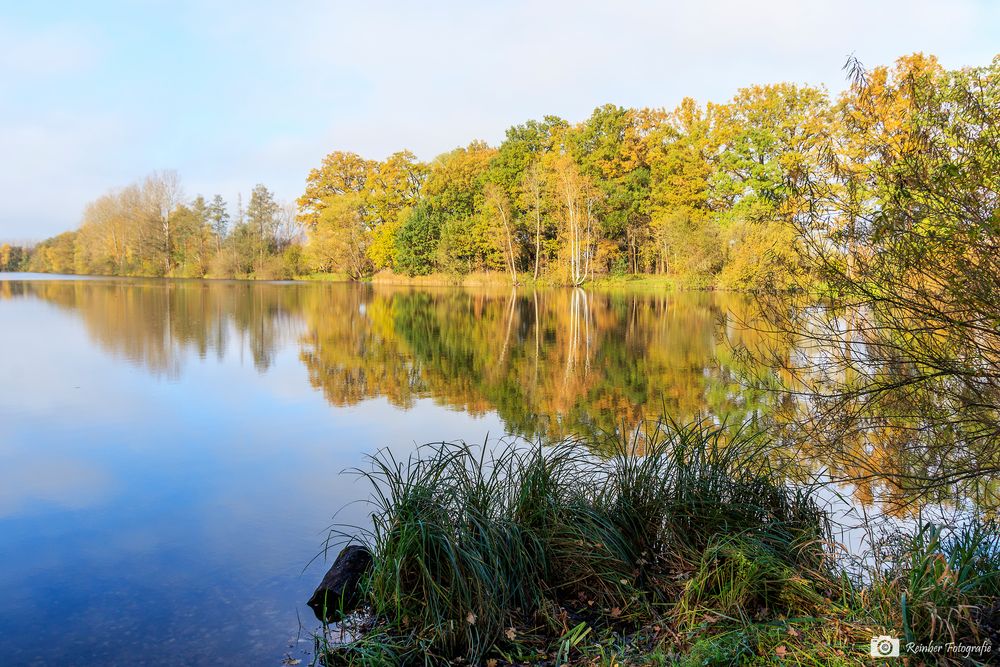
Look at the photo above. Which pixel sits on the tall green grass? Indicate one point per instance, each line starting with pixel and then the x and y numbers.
pixel 475 547
pixel 679 540
pixel 933 584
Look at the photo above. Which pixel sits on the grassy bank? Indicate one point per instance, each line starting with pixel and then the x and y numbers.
pixel 498 279
pixel 479 279
pixel 324 277
pixel 687 546
pixel 476 279
pixel 644 282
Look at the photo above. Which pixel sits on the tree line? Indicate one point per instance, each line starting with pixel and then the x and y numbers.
pixel 700 194
pixel 149 228
pixel 707 195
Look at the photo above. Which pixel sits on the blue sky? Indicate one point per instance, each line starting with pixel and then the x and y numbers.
pixel 94 95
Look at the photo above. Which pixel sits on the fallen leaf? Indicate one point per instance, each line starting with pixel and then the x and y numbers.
pixel 492 662
pixel 511 633
pixel 793 632
pixel 470 619
pixel 781 651
pixel 616 612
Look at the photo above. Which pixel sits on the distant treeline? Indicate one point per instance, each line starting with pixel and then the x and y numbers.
pixel 149 229
pixel 708 195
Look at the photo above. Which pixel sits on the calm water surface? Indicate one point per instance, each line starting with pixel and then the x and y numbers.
pixel 169 451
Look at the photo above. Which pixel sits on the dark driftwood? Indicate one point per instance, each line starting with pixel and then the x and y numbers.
pixel 339 593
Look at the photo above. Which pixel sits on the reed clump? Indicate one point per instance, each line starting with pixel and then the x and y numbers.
pixel 682 543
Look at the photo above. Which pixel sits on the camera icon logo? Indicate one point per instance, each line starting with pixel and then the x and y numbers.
pixel 885 646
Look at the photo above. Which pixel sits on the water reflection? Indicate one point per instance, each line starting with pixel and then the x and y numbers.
pixel 179 442
pixel 167 471
pixel 550 363
pixel 157 323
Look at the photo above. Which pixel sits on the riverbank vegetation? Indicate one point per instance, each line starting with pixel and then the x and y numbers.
pixel 704 195
pixel 687 545
pixel 148 229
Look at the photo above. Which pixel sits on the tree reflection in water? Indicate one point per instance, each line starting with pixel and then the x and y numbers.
pixel 552 364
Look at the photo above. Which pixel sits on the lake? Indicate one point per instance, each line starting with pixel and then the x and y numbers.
pixel 170 451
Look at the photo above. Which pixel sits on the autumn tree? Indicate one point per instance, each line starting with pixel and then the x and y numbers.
pixel 340 174
pixel 366 199
pixel 338 239
pixel 498 204
pixel 454 196
pixel 193 242
pixel 107 235
pixel 11 257
pixel 710 195
pixel 393 185
pixel 54 255
pixel 899 364
pixel 162 190
pixel 575 199
pixel 684 232
pixel 772 138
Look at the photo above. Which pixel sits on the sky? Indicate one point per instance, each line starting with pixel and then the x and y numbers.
pixel 95 95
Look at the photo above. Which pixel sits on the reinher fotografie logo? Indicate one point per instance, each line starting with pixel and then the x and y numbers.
pixel 885 646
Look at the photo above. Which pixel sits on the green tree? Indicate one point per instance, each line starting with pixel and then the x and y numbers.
pixel 454 196
pixel 497 205
pixel 516 170
pixel 218 218
pixel 262 221
pixel 417 241
pixel 609 147
pixel 773 137
pixel 684 233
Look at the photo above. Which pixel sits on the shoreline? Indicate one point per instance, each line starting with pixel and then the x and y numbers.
pixel 472 280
